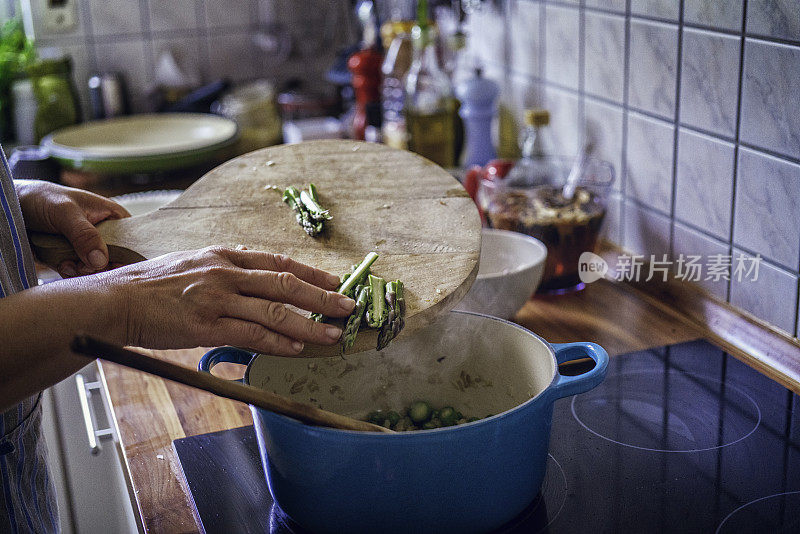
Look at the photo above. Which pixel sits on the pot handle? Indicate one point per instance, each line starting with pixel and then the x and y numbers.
pixel 571 385
pixel 224 354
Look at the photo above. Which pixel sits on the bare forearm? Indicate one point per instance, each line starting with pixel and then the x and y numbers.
pixel 36 327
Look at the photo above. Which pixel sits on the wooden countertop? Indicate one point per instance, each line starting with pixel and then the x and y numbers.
pixel 151 412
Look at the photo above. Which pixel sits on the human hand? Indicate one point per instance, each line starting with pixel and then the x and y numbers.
pixel 218 296
pixel 73 213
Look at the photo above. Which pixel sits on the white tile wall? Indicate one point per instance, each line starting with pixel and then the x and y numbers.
pixel 211 38
pixel 700 122
pixel 774 18
pixel 650 154
pixel 605 56
pixel 168 15
pixel 617 6
pixel 653 67
pixel 525 37
pixel 771 90
pixel 612 229
pixel 767 218
pixel 607 123
pixel 645 232
pixel 709 81
pixel 564 119
pixel 225 59
pixel 228 13
pixel 689 242
pixel 561 47
pixel 665 9
pixel 704 184
pixel 722 14
pixel 771 297
pixel 112 18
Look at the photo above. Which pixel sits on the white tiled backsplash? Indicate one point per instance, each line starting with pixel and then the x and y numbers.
pixel 698 102
pixel 210 39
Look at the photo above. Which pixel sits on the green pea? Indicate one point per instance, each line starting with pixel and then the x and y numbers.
pixel 448 416
pixel 420 411
pixel 393 417
pixel 433 423
pixel 376 418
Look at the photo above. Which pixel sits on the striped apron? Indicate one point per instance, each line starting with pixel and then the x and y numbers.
pixel 27 495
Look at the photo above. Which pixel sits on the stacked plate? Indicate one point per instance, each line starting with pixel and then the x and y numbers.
pixel 142 143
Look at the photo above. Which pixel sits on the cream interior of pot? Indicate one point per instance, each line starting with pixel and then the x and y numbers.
pixel 476 364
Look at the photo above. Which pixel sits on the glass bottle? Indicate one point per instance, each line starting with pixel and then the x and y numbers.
pixel 535 167
pixel 395 68
pixel 430 108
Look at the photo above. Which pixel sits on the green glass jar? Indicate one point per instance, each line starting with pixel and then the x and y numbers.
pixel 55 95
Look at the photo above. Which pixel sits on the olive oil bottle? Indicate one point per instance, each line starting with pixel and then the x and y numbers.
pixel 429 104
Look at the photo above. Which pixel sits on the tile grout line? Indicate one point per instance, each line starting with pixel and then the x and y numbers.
pixel 88 34
pixel 581 68
pixel 144 14
pixel 737 130
pixel 676 130
pixel 542 41
pixel 205 36
pixel 623 172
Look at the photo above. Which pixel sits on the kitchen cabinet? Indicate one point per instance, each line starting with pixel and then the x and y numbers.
pixel 93 492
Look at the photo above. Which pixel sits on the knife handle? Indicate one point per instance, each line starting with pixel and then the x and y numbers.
pixel 52 249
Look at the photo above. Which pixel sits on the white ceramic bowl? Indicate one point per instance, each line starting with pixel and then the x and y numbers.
pixel 510 271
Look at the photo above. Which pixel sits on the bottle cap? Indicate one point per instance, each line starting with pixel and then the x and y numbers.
pixel 537 117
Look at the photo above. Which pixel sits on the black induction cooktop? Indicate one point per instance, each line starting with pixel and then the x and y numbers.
pixel 683 438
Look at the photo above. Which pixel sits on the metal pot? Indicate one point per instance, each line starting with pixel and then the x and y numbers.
pixel 468 478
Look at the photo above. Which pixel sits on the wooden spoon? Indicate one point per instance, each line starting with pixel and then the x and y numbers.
pixel 224 388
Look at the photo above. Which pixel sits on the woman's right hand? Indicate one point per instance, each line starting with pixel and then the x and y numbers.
pixel 218 296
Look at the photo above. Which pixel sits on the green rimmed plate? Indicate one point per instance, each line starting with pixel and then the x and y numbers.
pixel 142 143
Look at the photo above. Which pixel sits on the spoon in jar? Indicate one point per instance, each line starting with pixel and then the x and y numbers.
pixel 579 167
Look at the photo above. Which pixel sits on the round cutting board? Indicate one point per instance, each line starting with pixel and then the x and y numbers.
pixel 415 215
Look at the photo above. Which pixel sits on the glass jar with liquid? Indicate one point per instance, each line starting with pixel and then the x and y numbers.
pixel 429 104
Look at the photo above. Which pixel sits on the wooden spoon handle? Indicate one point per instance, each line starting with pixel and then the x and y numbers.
pixel 224 388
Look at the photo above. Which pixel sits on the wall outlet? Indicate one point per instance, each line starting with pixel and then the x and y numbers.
pixel 60 16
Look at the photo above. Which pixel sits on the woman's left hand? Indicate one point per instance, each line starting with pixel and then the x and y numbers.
pixel 73 213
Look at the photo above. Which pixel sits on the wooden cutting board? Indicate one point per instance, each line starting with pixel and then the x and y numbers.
pixel 415 215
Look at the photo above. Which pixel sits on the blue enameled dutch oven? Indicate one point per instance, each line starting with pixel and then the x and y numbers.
pixel 469 478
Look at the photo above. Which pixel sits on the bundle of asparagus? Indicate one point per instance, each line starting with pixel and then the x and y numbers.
pixel 309 214
pixel 381 305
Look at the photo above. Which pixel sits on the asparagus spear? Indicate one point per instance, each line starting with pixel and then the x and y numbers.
pixel 314 209
pixel 359 274
pixel 312 190
pixel 395 320
pixel 377 314
pixel 350 329
pixel 351 280
pixel 304 217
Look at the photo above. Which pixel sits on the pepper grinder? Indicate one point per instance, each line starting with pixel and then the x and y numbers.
pixel 478 97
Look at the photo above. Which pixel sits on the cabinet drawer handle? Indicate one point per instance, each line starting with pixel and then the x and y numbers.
pixel 84 394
